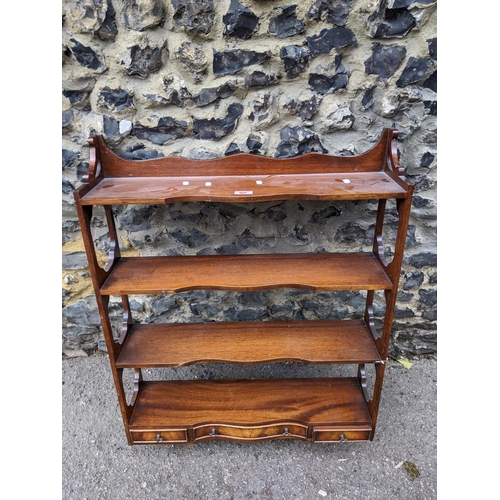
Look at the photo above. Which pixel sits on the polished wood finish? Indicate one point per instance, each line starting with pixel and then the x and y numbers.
pixel 169 345
pixel 321 271
pixel 251 409
pixel 320 410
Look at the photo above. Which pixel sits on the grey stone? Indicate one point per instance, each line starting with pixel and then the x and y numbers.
pixel 393 23
pixel 87 14
pixel 341 118
pixel 295 59
pixel 214 129
pixel 423 259
pixel 204 310
pixel 296 141
pixel 108 29
pixel 88 57
pixel 240 21
pixel 168 129
pixel 306 109
pixel 74 260
pixel 430 315
pixel 115 99
pixel 77 91
pixel 232 61
pixel 432 43
pixel 413 280
pixel 139 152
pixel 384 61
pixel 329 80
pixel 196 16
pixel 431 82
pixel 331 12
pixel 69 159
pixel 428 297
pixel 135 218
pixel 110 126
pixel 328 39
pixel 193 57
pixel 143 61
pixel 258 79
pixel 367 100
pixel 214 94
pixel 350 233
pixel 286 23
pixel 175 91
pixel 321 216
pixel 263 111
pixel 191 239
pixel 67 117
pixel 163 305
pixel 415 70
pixel 83 312
pixel 427 159
pixel 140 15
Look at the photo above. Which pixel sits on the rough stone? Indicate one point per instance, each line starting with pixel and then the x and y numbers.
pixel 258 79
pixel 108 29
pixel 77 91
pixel 296 141
pixel 167 129
pixel 139 152
pixel 216 128
pixel 305 110
pixel 431 82
pixel 140 15
pixel 331 12
pixel 175 91
pixel 384 61
pixel 367 100
pixel 142 61
pixel 413 280
pixel 88 57
pixel 69 159
pixel 423 259
pixel 330 79
pixel 83 312
pixel 88 15
pixel 214 94
pixel 232 61
pixel 195 16
pixel 341 118
pixel 163 305
pixel 295 59
pixel 256 143
pixel 328 39
pixel 427 297
pixel 263 110
pixel 193 57
pixel 415 70
pixel 391 23
pixel 427 159
pixel 286 23
pixel 432 43
pixel 240 21
pixel 110 126
pixel 115 99
pixel 431 107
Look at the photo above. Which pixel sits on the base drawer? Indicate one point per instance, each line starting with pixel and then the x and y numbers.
pixel 160 436
pixel 341 435
pixel 250 433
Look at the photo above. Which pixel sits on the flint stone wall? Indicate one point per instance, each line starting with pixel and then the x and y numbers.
pixel 204 79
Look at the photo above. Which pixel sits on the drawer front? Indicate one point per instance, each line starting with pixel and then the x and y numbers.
pixel 339 435
pixel 250 433
pixel 160 436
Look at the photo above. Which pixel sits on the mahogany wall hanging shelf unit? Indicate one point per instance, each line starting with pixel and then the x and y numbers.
pixel 313 409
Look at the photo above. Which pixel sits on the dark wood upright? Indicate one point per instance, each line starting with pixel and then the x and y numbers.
pixel 192 411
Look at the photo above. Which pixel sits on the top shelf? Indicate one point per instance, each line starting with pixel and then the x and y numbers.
pixel 159 190
pixel 374 174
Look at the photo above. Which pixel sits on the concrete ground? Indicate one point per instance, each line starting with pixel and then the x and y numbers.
pixel 97 463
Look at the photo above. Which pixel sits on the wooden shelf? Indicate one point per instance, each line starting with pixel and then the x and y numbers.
pixel 239 188
pixel 169 345
pixel 321 271
pixel 250 409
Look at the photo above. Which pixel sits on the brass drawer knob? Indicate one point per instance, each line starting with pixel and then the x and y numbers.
pixel 159 439
pixel 286 432
pixel 342 439
pixel 213 432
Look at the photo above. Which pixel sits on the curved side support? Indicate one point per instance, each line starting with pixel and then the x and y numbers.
pixel 114 248
pixel 94 170
pixel 378 243
pixel 126 319
pixel 392 155
pixel 362 382
pixel 137 386
pixel 369 316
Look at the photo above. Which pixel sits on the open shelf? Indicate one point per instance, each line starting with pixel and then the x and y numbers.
pixel 246 272
pixel 248 409
pixel 239 188
pixel 169 345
